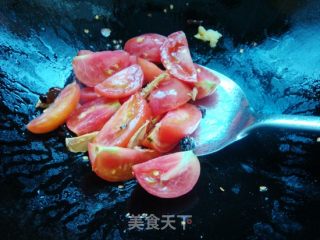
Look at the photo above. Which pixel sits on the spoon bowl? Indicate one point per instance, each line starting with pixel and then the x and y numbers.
pixel 229 118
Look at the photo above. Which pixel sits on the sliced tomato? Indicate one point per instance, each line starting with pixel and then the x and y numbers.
pixel 88 94
pixel 146 46
pixel 176 58
pixel 125 122
pixel 150 70
pixel 207 82
pixel 58 112
pixel 169 176
pixel 84 52
pixel 91 69
pixel 122 84
pixel 123 100
pixel 114 164
pixel 92 116
pixel 179 123
pixel 153 141
pixel 170 94
pixel 133 59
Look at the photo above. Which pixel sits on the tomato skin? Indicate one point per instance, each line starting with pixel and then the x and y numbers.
pixel 58 112
pixel 150 70
pixel 176 58
pixel 88 94
pixel 91 69
pixel 207 82
pixel 146 46
pixel 170 94
pixel 179 123
pixel 92 116
pixel 133 59
pixel 169 176
pixel 84 52
pixel 153 141
pixel 125 122
pixel 123 100
pixel 114 164
pixel 122 84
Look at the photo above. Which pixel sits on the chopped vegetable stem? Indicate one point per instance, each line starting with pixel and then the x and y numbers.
pixel 152 85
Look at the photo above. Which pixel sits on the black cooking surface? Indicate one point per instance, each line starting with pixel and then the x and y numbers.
pixel 270 48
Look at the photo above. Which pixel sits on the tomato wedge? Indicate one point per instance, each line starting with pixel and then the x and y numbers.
pixel 58 112
pixel 170 94
pixel 84 52
pixel 207 82
pixel 88 94
pixel 133 59
pixel 125 122
pixel 122 84
pixel 92 116
pixel 176 58
pixel 179 123
pixel 150 70
pixel 153 141
pixel 114 164
pixel 91 69
pixel 169 176
pixel 123 100
pixel 146 46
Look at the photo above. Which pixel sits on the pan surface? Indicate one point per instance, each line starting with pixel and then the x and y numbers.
pixel 266 186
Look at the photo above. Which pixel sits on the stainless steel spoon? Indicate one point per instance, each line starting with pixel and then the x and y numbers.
pixel 230 118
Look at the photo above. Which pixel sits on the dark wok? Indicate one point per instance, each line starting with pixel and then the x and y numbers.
pixel 49 193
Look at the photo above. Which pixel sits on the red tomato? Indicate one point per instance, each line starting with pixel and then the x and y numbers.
pixel 122 84
pixel 123 100
pixel 114 164
pixel 88 94
pixel 146 46
pixel 179 123
pixel 125 122
pixel 207 82
pixel 58 112
pixel 176 58
pixel 133 59
pixel 84 52
pixel 150 70
pixel 170 94
pixel 169 176
pixel 92 116
pixel 153 141
pixel 91 69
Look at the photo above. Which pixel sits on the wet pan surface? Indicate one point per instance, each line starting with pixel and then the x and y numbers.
pixel 266 186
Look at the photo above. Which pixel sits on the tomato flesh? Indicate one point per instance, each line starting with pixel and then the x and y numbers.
pixel 150 70
pixel 58 112
pixel 170 94
pixel 153 141
pixel 122 84
pixel 123 100
pixel 84 52
pixel 125 122
pixel 169 176
pixel 179 123
pixel 146 46
pixel 176 58
pixel 207 82
pixel 114 164
pixel 88 94
pixel 92 116
pixel 91 69
pixel 133 59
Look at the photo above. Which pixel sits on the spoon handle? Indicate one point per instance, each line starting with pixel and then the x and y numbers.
pixel 304 123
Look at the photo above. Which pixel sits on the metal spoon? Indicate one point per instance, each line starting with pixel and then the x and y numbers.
pixel 230 118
